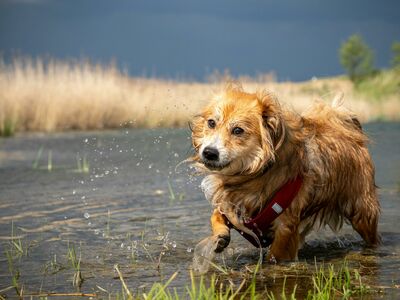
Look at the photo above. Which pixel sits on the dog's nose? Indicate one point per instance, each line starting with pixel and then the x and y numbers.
pixel 210 153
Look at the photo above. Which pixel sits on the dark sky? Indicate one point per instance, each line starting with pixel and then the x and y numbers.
pixel 186 38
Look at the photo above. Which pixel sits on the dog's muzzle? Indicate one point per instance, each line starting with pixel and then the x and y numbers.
pixel 211 158
pixel 210 154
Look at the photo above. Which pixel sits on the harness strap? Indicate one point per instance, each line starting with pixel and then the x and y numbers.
pixel 262 222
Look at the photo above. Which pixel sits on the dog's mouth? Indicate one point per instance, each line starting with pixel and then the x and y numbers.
pixel 214 166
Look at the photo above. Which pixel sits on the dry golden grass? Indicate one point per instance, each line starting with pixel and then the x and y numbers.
pixel 60 95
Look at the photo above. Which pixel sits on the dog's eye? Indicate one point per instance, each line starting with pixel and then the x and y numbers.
pixel 211 123
pixel 237 131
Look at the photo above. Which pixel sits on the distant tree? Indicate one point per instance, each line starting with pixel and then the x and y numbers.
pixel 396 55
pixel 356 58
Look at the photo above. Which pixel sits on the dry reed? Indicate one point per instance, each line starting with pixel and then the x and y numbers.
pixel 51 95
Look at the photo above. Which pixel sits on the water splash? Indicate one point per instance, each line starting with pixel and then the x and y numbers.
pixel 204 253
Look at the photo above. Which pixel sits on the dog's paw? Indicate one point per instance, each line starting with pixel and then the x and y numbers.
pixel 222 242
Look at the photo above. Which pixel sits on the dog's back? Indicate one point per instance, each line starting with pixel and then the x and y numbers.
pixel 343 171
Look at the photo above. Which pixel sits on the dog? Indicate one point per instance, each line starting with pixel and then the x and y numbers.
pixel 251 149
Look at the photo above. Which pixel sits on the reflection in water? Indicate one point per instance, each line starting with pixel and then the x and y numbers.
pixel 133 209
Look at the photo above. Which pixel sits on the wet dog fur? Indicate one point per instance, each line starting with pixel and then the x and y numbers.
pixel 249 146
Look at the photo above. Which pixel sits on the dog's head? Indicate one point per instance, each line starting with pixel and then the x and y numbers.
pixel 239 132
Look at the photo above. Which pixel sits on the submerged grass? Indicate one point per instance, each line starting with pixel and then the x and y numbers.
pixel 51 95
pixel 325 281
pixel 13 252
pixel 82 163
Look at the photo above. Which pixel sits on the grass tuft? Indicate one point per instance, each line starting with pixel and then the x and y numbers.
pixel 173 197
pixel 7 127
pixel 329 283
pixel 82 164
pixel 75 261
pixel 35 163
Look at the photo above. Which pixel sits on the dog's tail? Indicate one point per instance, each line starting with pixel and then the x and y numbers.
pixel 337 104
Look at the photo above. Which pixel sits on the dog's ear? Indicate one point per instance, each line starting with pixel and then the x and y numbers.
pixel 196 126
pixel 272 120
pixel 276 128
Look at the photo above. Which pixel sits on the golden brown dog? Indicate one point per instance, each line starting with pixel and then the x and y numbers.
pixel 249 147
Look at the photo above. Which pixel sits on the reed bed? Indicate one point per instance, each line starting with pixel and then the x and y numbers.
pixel 52 95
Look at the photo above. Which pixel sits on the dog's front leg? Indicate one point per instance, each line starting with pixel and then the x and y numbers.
pixel 285 244
pixel 220 231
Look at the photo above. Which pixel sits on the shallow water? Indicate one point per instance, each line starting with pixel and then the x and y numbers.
pixel 134 209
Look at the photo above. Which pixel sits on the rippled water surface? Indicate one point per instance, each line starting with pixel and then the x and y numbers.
pixel 116 198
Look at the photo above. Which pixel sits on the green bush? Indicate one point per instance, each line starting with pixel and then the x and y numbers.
pixel 384 84
pixel 396 55
pixel 356 58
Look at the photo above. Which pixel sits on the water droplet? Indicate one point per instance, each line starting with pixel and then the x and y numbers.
pixel 86 140
pixel 176 154
pixel 96 231
pixel 189 249
pixel 73 192
pixel 158 192
pixel 83 197
pixel 86 215
pixel 173 244
pixel 122 245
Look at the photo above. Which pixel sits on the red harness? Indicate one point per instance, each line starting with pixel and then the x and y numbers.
pixel 279 202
